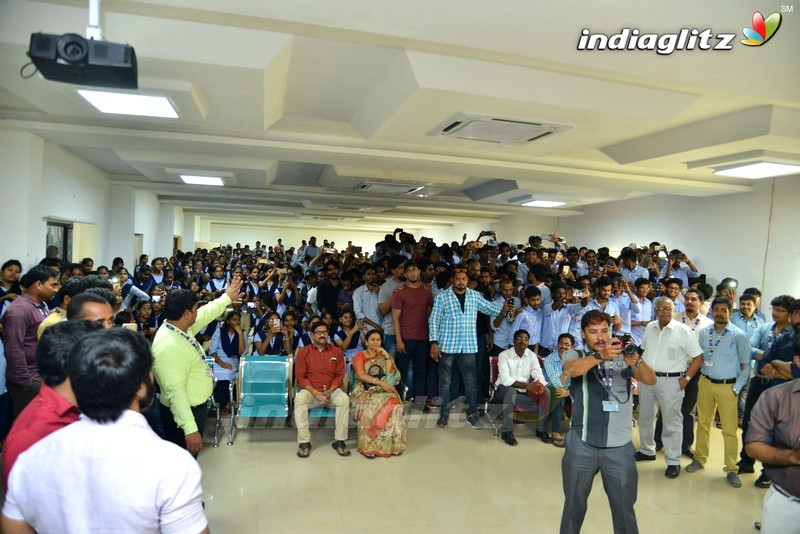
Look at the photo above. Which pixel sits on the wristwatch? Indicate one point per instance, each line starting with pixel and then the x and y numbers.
pixel 687 377
pixel 597 356
pixel 639 363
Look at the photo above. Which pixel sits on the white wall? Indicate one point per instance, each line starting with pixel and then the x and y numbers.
pixel 145 222
pixel 291 237
pixel 724 236
pixel 76 191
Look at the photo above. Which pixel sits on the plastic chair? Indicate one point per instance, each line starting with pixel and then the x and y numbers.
pixel 262 389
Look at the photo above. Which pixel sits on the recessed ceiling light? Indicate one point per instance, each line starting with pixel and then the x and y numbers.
pixel 757 169
pixel 202 180
pixel 130 104
pixel 543 204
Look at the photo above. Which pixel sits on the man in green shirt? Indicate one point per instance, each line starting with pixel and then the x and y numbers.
pixel 179 364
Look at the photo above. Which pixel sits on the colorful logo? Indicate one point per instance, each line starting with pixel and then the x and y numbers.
pixel 762 30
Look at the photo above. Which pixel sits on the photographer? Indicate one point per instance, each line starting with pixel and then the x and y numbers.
pixel 668 345
pixel 602 415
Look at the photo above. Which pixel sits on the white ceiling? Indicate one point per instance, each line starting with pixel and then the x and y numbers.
pixel 296 103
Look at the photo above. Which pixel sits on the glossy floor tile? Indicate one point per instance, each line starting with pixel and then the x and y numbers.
pixel 454 479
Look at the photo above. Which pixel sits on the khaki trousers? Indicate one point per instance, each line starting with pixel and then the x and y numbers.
pixel 304 401
pixel 710 398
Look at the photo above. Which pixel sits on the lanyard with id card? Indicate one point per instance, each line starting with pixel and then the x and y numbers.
pixel 606 377
pixel 193 342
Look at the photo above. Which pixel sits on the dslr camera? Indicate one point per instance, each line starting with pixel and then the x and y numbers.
pixel 629 347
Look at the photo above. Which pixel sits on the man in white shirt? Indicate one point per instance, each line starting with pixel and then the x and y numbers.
pixel 668 347
pixel 518 371
pixel 109 471
pixel 696 320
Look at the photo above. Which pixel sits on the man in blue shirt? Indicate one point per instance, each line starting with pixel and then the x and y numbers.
pixel 631 270
pixel 556 317
pixel 530 319
pixel 773 342
pixel 725 369
pixel 679 266
pixel 453 338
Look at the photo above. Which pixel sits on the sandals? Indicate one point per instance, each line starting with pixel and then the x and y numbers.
pixel 340 447
pixel 304 451
pixel 558 442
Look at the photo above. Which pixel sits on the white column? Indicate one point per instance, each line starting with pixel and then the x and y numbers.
pixel 24 229
pixel 121 211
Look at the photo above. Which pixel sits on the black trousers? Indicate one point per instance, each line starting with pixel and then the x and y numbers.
pixel 687 407
pixel 757 387
pixel 173 433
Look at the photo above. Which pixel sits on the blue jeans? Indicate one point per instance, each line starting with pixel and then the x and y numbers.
pixel 425 375
pixel 482 371
pixel 467 367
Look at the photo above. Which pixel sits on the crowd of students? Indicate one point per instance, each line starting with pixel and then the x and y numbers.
pixel 543 294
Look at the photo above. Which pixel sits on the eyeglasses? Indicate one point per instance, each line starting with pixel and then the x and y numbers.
pixel 460 270
pixel 522 338
pixel 663 309
pixel 320 332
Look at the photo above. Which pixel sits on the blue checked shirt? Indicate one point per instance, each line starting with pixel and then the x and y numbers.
pixel 454 329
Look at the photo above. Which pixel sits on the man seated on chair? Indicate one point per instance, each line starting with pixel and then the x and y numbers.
pixel 319 369
pixel 518 371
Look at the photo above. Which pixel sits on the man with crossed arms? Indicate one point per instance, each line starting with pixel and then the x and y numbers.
pixel 668 346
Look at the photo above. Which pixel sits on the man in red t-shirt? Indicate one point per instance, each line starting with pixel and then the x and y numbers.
pixel 319 369
pixel 411 305
pixel 54 407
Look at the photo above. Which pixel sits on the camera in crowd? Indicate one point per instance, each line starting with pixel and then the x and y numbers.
pixel 629 347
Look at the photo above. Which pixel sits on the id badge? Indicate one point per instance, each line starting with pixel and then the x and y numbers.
pixel 610 406
pixel 708 363
pixel 209 372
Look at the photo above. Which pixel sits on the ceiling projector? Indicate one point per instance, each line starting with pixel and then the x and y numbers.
pixel 72 59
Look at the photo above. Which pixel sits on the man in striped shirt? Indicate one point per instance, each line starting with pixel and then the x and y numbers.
pixel 600 439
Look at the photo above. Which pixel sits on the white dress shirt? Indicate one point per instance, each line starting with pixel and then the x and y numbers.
pixel 512 368
pixel 115 477
pixel 669 349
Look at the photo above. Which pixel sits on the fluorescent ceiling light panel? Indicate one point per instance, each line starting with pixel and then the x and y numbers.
pixel 202 180
pixel 543 204
pixel 757 169
pixel 130 104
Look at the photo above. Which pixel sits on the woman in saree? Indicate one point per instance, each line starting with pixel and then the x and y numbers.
pixel 375 403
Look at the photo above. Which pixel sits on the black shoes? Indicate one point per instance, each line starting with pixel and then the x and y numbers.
pixel 672 471
pixel 474 421
pixel 442 422
pixel 746 468
pixel 763 481
pixel 642 457
pixel 689 453
pixel 543 436
pixel 509 438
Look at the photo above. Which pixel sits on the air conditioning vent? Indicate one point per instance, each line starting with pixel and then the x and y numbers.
pixel 495 130
pixel 384 188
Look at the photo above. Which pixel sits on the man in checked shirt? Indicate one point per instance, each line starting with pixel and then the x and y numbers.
pixel 453 339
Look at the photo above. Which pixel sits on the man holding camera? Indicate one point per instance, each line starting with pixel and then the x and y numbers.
pixel 667 348
pixel 601 425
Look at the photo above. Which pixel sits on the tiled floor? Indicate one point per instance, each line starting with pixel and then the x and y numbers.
pixel 456 480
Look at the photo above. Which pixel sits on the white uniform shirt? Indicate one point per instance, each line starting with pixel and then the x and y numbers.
pixel 115 477
pixel 669 350
pixel 511 368
pixel 696 324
